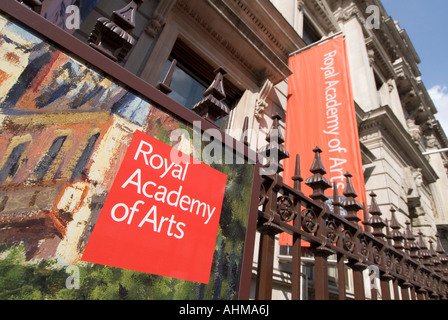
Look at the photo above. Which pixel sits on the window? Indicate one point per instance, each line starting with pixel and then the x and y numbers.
pixel 310 34
pixel 378 82
pixel 78 171
pixel 192 76
pixel 187 90
pixel 47 160
pixel 12 164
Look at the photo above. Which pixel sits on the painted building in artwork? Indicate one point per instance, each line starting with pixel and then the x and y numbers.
pixel 44 178
pixel 53 180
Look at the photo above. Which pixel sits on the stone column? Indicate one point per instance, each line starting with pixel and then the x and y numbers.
pixel 362 78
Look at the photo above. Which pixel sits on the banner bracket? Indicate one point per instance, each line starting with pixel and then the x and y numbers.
pixel 316 43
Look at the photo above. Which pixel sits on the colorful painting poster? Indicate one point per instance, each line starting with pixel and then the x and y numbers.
pixel 66 127
pixel 161 215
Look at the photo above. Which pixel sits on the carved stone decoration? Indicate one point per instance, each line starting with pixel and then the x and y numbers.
pixel 261 104
pixel 309 221
pixel 445 164
pixel 371 54
pixel 285 208
pixel 412 181
pixel 350 13
pixel 414 130
pixel 112 37
pixel 158 18
pixel 418 177
pixel 156 24
pixel 390 85
pixel 431 141
pixel 35 5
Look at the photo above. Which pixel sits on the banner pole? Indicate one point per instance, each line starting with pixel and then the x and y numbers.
pixel 316 43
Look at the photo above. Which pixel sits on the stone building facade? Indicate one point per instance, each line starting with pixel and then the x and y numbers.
pixel 401 139
pixel 398 128
pixel 252 41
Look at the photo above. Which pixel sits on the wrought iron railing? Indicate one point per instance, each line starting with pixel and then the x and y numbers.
pixel 390 253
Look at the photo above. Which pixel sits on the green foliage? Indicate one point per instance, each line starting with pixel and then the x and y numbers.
pixel 39 280
pixel 27 281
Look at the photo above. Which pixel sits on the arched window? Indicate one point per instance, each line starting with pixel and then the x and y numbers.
pixel 43 166
pixel 78 171
pixel 12 164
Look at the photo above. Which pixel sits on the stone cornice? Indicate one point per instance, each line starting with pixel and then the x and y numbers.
pixel 384 120
pixel 264 17
pixel 407 83
pixel 323 14
pixel 252 40
pixel 440 135
pixel 389 42
pixel 394 40
pixel 403 43
pixel 380 57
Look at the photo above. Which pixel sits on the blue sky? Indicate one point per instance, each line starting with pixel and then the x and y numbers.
pixel 426 23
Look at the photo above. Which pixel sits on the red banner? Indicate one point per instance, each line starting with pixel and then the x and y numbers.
pixel 321 112
pixel 161 215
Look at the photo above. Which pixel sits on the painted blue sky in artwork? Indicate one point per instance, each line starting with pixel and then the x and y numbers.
pixel 72 86
pixel 25 35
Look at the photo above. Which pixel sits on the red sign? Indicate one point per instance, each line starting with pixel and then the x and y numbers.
pixel 321 112
pixel 161 215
